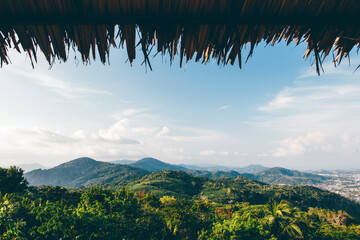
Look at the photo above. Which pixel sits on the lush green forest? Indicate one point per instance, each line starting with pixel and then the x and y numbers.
pixel 154 165
pixel 103 213
pixel 89 172
pixel 241 189
pixel 84 172
pixel 279 175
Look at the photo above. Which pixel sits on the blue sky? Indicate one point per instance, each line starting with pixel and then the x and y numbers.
pixel 275 111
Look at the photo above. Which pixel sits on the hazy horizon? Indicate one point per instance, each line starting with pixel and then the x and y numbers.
pixel 204 165
pixel 275 111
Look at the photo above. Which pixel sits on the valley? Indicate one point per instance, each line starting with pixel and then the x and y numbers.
pixel 226 187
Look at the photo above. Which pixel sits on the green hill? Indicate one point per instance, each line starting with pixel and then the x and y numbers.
pixel 102 213
pixel 112 174
pixel 279 175
pixel 224 187
pixel 275 176
pixel 65 173
pixel 154 165
pixel 225 190
pixel 83 171
pixel 240 189
pixel 172 183
pixel 213 174
pixel 252 168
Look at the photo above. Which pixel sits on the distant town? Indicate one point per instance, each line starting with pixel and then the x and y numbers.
pixel 345 183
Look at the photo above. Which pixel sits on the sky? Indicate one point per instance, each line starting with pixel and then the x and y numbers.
pixel 275 111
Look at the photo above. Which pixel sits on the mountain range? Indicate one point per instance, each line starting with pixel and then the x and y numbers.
pixel 154 165
pixel 252 168
pixel 148 175
pixel 240 189
pixel 279 175
pixel 87 172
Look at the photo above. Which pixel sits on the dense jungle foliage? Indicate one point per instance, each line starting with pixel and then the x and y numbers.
pixel 89 172
pixel 229 190
pixel 100 213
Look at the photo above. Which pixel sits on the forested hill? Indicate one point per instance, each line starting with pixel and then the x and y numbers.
pixel 273 176
pixel 154 165
pixel 213 174
pixel 240 189
pixel 279 175
pixel 252 168
pixel 227 209
pixel 220 187
pixel 85 172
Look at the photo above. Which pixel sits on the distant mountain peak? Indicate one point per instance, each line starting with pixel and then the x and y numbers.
pixel 83 171
pixel 79 161
pixel 285 171
pixel 279 175
pixel 252 168
pixel 255 165
pixel 84 159
pixel 154 165
pixel 150 159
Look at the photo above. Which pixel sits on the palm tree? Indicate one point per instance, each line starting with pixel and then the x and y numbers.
pixel 281 219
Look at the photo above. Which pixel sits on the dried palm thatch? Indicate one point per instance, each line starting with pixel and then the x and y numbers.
pixel 199 29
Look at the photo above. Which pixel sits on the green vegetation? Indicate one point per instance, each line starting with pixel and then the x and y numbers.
pixel 84 172
pixel 272 175
pixel 12 180
pixel 172 183
pixel 154 165
pixel 89 172
pixel 240 189
pixel 213 174
pixel 113 174
pixel 100 213
pixel 252 168
pixel 49 213
pixel 279 175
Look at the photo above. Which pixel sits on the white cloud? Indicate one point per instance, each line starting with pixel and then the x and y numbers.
pixel 132 138
pixel 212 153
pixel 128 113
pixel 299 145
pixel 56 84
pixel 145 130
pixel 313 120
pixel 243 154
pixel 350 142
pixel 164 131
pixel 198 135
pixel 329 69
pixel 207 153
pixel 223 108
pixel 282 100
pixel 328 109
pixel 313 97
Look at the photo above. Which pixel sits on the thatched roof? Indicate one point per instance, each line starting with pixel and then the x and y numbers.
pixel 200 29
